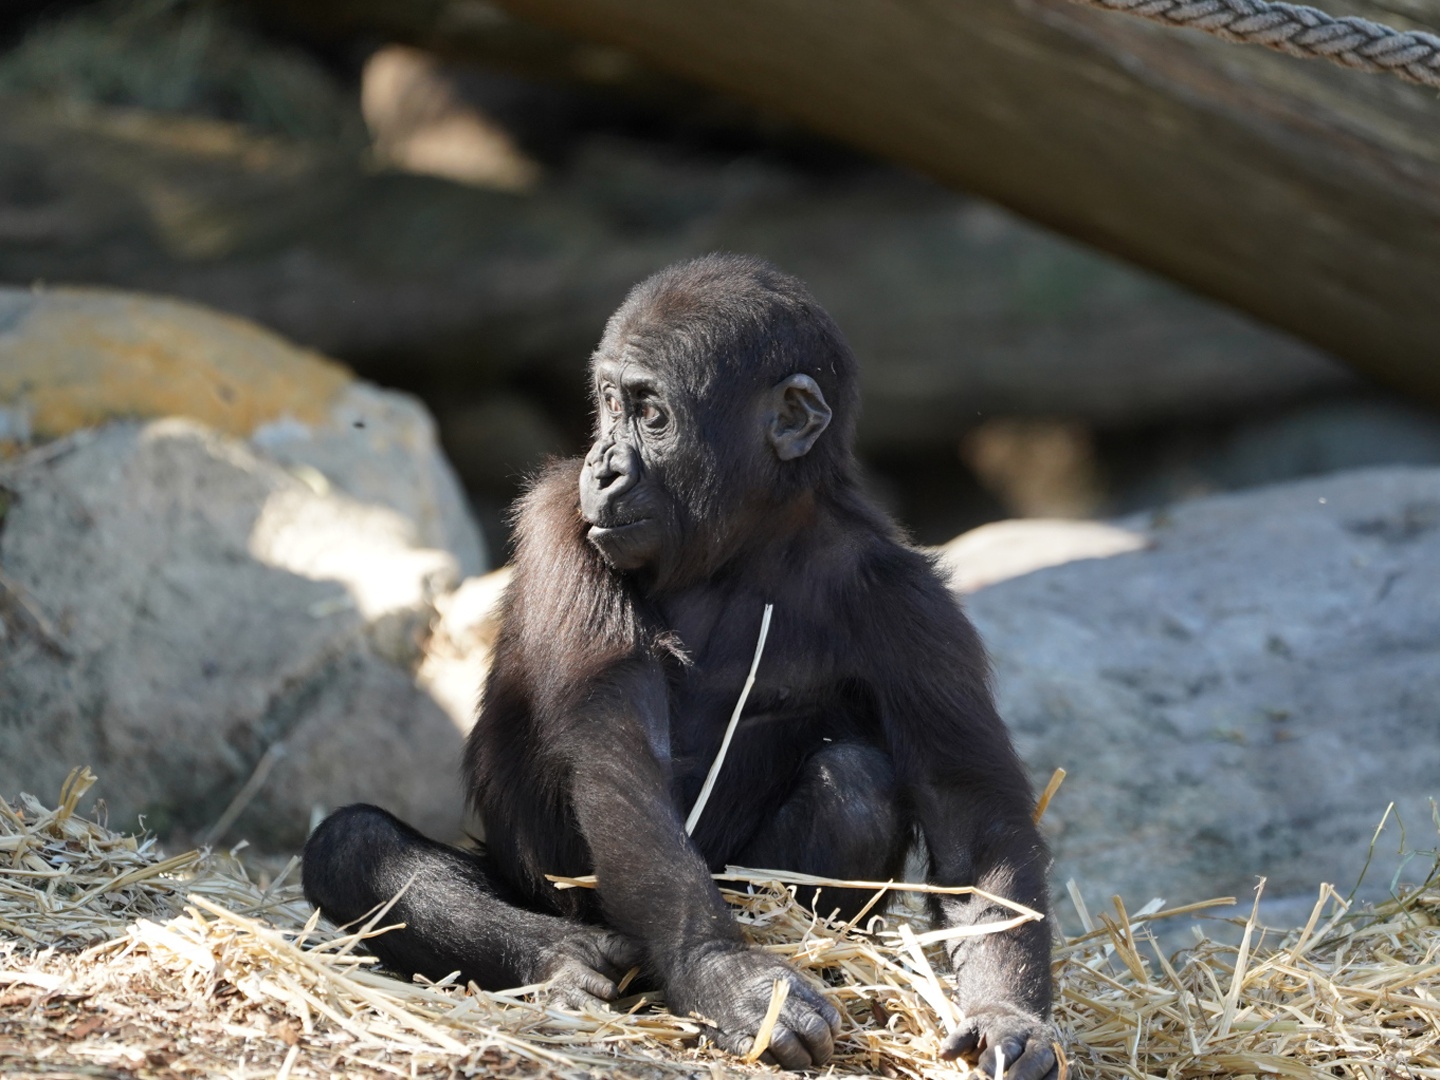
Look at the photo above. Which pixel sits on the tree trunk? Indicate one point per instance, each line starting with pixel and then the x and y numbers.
pixel 1305 194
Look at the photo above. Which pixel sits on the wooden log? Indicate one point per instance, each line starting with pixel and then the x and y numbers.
pixel 1306 194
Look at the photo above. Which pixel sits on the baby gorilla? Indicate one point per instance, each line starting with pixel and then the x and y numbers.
pixel 722 478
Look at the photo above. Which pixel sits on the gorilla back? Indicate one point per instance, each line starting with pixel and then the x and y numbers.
pixel 721 478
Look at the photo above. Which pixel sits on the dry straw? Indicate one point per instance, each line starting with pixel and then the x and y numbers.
pixel 118 962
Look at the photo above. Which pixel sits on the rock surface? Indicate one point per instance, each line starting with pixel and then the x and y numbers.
pixel 1002 550
pixel 1244 696
pixel 187 604
pixel 74 358
pixel 77 358
pixel 174 606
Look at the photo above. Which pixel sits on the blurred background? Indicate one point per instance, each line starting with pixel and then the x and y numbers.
pixel 450 200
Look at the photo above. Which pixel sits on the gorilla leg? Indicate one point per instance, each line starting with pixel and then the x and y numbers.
pixel 844 819
pixel 361 856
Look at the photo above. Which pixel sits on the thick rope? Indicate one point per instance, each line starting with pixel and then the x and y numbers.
pixel 1300 31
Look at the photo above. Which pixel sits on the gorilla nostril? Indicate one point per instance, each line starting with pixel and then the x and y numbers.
pixel 617 467
pixel 601 465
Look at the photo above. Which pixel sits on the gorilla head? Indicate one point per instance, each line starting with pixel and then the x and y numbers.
pixel 708 420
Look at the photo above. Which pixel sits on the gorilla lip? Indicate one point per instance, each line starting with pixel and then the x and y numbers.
pixel 601 532
pixel 625 547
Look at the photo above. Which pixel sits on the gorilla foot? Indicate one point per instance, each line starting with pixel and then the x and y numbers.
pixel 585 966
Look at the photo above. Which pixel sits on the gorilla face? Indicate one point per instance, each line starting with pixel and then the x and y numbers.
pixel 622 489
pixel 673 479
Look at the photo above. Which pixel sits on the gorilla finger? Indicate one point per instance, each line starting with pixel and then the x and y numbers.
pixel 829 1013
pixel 618 953
pixel 739 1045
pixel 1037 1062
pixel 789 1051
pixel 816 1030
pixel 575 978
pixel 818 1005
pixel 1002 1058
pixel 963 1040
pixel 571 996
pixel 592 982
pixel 598 962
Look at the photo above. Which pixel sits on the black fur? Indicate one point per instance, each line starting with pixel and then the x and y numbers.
pixel 722 479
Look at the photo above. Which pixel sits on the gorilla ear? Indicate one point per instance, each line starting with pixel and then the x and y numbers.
pixel 797 415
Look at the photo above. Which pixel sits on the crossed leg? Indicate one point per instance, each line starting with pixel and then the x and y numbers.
pixel 361 857
pixel 844 819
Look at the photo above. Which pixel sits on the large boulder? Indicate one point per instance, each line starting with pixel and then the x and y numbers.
pixel 78 358
pixel 1239 690
pixel 225 615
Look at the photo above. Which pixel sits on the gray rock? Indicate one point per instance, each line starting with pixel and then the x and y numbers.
pixel 379 447
pixel 1243 696
pixel 457 655
pixel 1002 550
pixel 79 358
pixel 1327 437
pixel 177 608
pixel 1312 439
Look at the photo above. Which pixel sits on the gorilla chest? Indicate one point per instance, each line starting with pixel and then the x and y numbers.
pixel 797 704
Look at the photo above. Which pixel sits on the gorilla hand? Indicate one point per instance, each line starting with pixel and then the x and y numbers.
pixel 584 965
pixel 730 986
pixel 1025 1042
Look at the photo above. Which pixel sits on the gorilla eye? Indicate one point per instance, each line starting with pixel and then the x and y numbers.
pixel 650 414
pixel 612 403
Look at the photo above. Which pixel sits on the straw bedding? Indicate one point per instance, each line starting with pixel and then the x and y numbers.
pixel 118 962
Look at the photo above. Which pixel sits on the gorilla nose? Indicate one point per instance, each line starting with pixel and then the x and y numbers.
pixel 616 468
pixel 610 472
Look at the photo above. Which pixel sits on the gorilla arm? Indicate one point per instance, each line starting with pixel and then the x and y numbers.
pixel 974 805
pixel 656 889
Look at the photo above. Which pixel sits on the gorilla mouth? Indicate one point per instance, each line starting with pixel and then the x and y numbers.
pixel 625 547
pixel 601 533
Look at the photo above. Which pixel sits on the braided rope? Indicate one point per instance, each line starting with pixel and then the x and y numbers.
pixel 1300 31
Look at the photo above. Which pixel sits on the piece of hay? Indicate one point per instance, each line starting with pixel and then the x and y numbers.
pixel 779 991
pixel 719 762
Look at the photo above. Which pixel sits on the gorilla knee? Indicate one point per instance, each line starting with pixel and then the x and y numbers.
pixel 346 856
pixel 855 767
pixel 861 794
pixel 846 819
